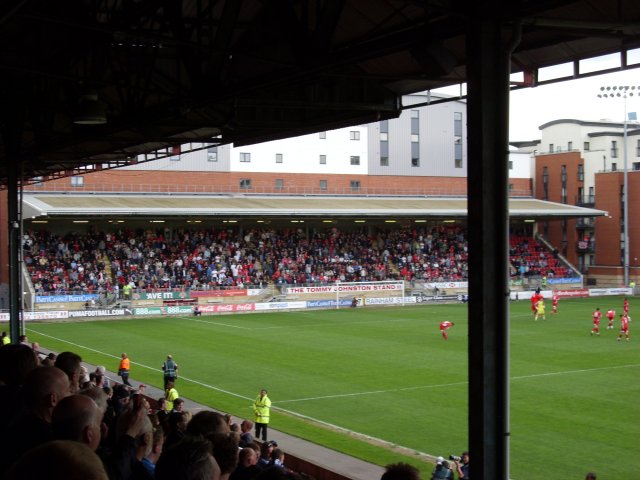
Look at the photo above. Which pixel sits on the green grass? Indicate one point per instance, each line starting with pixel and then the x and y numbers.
pixel 386 373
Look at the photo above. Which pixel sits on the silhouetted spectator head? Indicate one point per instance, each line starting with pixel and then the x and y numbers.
pixel 43 389
pixel 16 361
pixel 98 395
pixel 77 418
pixel 247 457
pixel 71 363
pixel 189 459
pixel 590 476
pixel 207 423
pixel 225 450
pixel 400 471
pixel 59 460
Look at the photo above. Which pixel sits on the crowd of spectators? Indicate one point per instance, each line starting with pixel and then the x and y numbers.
pixel 104 262
pixel 530 258
pixel 61 422
pixel 208 258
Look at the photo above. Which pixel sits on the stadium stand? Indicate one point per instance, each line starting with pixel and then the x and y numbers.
pixel 202 259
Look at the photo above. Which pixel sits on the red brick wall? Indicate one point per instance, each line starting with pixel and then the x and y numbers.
pixel 554 163
pixel 163 181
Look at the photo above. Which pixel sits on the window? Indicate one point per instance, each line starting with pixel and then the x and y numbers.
pixel 77 181
pixel 323 159
pixel 510 187
pixel 570 146
pixel 212 154
pixel 384 137
pixel 245 157
pixel 278 158
pixel 545 183
pixel 323 184
pixel 354 135
pixel 457 153
pixel 580 172
pixel 355 185
pixel 245 183
pixel 614 149
pixel 551 148
pixel 323 135
pixel 384 126
pixel 563 175
pixel 638 148
pixel 586 146
pixel 510 164
pixel 384 161
pixel 279 183
pixel 355 160
pixel 614 167
pixel 634 166
pixel 457 124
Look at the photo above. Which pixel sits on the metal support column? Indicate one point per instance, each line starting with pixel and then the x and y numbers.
pixel 488 131
pixel 15 291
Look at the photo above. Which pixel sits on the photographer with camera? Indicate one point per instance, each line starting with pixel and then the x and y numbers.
pixel 462 465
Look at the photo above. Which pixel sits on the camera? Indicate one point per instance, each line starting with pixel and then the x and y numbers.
pixel 455 458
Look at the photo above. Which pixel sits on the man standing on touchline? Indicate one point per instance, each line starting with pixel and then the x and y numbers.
pixel 170 369
pixel 261 408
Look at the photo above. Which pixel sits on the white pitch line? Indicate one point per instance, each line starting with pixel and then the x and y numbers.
pixel 454 384
pixel 211 387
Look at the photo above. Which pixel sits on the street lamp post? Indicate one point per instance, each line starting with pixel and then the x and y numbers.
pixel 623 92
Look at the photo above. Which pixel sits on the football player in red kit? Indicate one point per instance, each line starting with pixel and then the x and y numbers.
pixel 611 314
pixel 554 303
pixel 624 326
pixel 444 326
pixel 597 315
pixel 625 306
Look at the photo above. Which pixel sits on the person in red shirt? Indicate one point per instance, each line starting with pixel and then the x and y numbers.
pixel 625 306
pixel 624 326
pixel 554 302
pixel 535 298
pixel 597 315
pixel 611 314
pixel 444 326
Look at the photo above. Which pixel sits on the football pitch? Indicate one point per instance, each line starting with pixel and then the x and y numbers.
pixel 368 381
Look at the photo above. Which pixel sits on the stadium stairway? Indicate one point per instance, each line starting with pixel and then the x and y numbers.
pixel 316 461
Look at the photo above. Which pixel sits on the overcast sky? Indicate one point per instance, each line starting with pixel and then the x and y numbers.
pixel 532 107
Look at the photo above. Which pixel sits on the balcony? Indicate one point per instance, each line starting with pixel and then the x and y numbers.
pixel 586 200
pixel 586 223
pixel 584 246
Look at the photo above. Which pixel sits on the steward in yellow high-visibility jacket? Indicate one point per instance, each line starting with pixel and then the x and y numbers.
pixel 261 408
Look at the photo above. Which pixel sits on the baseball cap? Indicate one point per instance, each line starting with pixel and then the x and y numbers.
pixel 439 460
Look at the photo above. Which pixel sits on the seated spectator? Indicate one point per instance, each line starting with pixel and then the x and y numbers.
pixel 178 405
pixel 247 465
pixel 189 459
pixel 246 437
pixel 59 460
pixel 400 471
pixel 43 388
pixel 71 364
pixel 175 428
pixel 150 460
pixel 78 418
pixel 207 423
